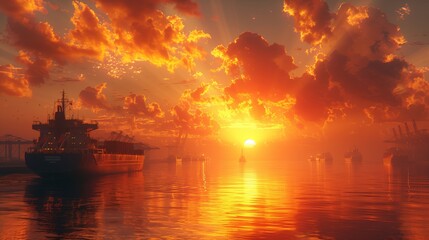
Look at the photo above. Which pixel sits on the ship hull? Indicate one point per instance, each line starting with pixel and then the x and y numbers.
pixel 87 164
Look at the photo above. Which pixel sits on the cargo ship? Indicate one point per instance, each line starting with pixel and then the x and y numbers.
pixel 65 148
pixel 409 147
pixel 353 156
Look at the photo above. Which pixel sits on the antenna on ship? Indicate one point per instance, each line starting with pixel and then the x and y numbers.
pixel 63 104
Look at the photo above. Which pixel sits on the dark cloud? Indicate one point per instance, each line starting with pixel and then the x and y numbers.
pixel 38 68
pixel 315 97
pixel 137 105
pixel 260 70
pixel 93 98
pixel 359 65
pixel 312 19
pixel 39 39
pixel 197 94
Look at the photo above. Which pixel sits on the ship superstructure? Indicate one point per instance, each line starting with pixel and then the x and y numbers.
pixel 65 147
pixel 413 145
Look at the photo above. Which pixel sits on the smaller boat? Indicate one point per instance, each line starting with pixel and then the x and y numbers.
pixel 311 158
pixel 395 156
pixel 242 158
pixel 174 158
pixel 353 156
pixel 324 157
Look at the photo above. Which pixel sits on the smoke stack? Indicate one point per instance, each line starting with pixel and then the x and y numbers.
pixel 400 131
pixel 394 134
pixel 407 129
pixel 416 131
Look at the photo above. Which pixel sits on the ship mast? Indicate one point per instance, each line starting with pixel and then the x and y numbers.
pixel 63 103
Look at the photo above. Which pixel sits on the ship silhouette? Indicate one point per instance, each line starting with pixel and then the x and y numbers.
pixel 411 146
pixel 65 148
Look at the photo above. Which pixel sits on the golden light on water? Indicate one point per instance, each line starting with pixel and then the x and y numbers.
pixel 249 143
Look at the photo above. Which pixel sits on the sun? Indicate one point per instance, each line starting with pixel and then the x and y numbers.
pixel 249 143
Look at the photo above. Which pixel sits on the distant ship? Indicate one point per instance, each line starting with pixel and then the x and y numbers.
pixel 65 148
pixel 324 157
pixel 413 146
pixel 353 156
pixel 395 155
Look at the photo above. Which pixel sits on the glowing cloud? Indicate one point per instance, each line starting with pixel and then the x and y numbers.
pixel 12 83
pixel 89 31
pixel 20 8
pixel 144 33
pixel 312 19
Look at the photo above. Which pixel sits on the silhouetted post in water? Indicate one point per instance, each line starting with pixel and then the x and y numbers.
pixel 242 158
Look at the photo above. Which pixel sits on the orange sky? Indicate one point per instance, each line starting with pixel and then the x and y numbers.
pixel 229 70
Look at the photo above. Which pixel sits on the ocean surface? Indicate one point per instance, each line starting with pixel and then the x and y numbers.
pixel 223 199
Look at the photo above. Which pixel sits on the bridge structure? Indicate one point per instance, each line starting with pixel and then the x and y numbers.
pixel 12 148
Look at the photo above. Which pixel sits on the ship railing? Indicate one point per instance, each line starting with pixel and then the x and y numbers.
pixel 100 150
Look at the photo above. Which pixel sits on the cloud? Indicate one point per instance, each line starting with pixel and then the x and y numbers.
pixel 131 31
pixel 93 98
pixel 37 68
pixel 261 84
pixel 315 97
pixel 39 39
pixel 186 6
pixel 357 65
pixel 40 48
pixel 193 121
pixel 404 11
pixel 89 31
pixel 260 70
pixel 12 82
pixel 144 33
pixel 190 115
pixel 356 73
pixel 137 105
pixel 312 19
pixel 20 8
pixel 196 95
pixel 78 78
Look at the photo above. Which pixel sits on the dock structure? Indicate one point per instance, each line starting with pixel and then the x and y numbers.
pixel 411 146
pixel 12 148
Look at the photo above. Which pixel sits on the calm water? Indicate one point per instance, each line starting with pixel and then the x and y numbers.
pixel 223 200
